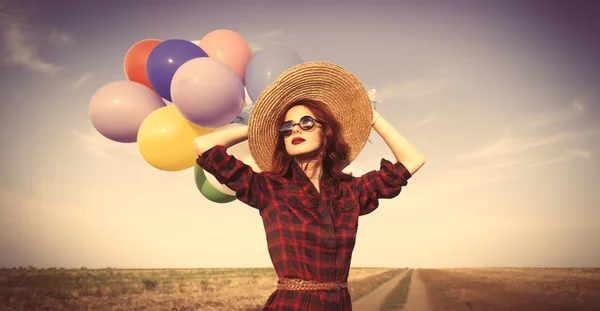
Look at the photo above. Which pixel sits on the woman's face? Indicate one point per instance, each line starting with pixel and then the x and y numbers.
pixel 302 142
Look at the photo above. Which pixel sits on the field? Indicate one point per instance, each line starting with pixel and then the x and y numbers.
pixel 513 289
pixel 161 289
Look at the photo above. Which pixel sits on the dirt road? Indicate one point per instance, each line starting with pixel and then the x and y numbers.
pixel 373 300
pixel 417 295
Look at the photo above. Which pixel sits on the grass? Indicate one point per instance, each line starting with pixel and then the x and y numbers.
pixel 360 288
pixel 397 297
pixel 154 289
pixel 516 289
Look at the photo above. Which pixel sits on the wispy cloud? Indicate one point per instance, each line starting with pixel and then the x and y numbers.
pixel 503 165
pixel 415 89
pixel 454 180
pixel 60 37
pixel 103 147
pixel 510 144
pixel 79 82
pixel 430 118
pixel 265 38
pixel 20 39
pixel 568 155
pixel 539 120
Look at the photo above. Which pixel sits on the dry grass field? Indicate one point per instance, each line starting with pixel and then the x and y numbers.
pixel 162 289
pixel 513 289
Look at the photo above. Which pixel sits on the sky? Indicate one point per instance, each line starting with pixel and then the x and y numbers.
pixel 502 99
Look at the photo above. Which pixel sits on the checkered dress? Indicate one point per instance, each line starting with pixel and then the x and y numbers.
pixel 310 235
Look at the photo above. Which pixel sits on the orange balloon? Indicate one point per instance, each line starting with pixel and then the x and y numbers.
pixel 135 61
pixel 230 48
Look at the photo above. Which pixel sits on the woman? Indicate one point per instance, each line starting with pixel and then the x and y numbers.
pixel 304 129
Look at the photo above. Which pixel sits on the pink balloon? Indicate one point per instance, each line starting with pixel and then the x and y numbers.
pixel 118 109
pixel 207 92
pixel 230 48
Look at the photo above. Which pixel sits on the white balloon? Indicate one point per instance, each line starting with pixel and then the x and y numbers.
pixel 196 42
pixel 248 99
pixel 249 160
pixel 218 186
pixel 239 151
pixel 224 189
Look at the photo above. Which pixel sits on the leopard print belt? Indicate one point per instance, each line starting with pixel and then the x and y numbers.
pixel 299 284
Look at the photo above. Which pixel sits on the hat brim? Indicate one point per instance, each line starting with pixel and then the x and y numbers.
pixel 334 86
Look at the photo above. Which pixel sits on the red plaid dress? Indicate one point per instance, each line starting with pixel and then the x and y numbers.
pixel 310 235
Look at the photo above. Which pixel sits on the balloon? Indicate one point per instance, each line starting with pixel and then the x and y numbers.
pixel 266 65
pixel 249 160
pixel 230 48
pixel 207 92
pixel 247 97
pixel 207 190
pixel 239 151
pixel 212 180
pixel 118 109
pixel 136 59
pixel 196 42
pixel 166 140
pixel 165 59
pixel 244 115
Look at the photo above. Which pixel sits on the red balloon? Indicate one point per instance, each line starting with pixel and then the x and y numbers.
pixel 135 61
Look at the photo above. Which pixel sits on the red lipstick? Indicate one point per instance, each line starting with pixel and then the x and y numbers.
pixel 297 140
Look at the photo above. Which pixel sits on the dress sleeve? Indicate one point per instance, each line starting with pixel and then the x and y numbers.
pixel 250 187
pixel 385 183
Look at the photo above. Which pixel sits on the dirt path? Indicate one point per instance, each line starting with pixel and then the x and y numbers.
pixel 417 295
pixel 373 300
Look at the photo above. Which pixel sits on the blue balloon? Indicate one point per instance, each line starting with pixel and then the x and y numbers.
pixel 266 65
pixel 165 59
pixel 244 115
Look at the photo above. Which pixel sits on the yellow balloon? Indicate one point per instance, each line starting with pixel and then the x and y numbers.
pixel 166 139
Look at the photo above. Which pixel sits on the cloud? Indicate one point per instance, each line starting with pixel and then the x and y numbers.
pixel 539 120
pixel 502 165
pixel 60 37
pixel 103 147
pixel 509 144
pixel 450 181
pixel 84 78
pixel 20 39
pixel 265 38
pixel 414 89
pixel 568 155
pixel 430 118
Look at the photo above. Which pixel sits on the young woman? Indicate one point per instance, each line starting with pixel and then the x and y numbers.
pixel 304 129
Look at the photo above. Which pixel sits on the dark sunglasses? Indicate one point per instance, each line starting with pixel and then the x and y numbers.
pixel 306 123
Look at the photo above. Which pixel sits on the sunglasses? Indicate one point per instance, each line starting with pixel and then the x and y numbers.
pixel 306 123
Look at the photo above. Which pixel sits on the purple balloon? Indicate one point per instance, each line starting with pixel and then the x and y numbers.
pixel 207 92
pixel 118 109
pixel 266 65
pixel 165 59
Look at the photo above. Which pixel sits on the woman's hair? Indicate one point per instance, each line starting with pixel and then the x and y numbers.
pixel 334 149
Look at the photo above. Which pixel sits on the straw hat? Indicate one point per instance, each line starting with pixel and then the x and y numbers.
pixel 328 83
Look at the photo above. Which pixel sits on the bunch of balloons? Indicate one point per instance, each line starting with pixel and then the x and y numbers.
pixel 176 90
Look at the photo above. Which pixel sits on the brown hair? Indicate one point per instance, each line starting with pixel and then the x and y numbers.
pixel 334 151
